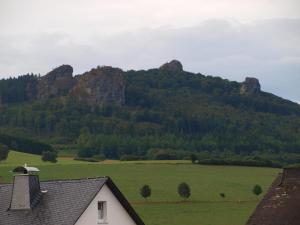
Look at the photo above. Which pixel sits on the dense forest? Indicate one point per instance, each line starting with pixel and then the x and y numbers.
pixel 168 114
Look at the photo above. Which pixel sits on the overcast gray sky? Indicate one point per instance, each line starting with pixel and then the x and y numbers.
pixel 228 38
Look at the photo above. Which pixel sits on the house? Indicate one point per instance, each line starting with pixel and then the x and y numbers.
pixel 281 204
pixel 91 201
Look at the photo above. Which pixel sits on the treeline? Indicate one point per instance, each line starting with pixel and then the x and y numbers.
pixel 130 148
pixel 237 160
pixel 24 145
pixel 142 88
pixel 17 90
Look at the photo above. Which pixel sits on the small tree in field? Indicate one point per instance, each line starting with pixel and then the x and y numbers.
pixel 145 191
pixel 222 195
pixel 49 156
pixel 257 190
pixel 3 152
pixel 184 190
pixel 193 158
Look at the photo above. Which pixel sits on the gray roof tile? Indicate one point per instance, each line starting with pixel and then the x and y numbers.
pixel 63 204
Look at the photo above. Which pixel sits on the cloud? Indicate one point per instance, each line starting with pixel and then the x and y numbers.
pixel 75 16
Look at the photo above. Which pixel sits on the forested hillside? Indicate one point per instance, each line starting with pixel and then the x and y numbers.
pixel 163 113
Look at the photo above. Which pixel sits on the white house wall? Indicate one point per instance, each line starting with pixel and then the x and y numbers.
pixel 116 214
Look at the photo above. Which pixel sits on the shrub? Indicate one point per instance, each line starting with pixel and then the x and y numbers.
pixel 257 190
pixel 99 157
pixel 160 154
pixel 3 152
pixel 193 158
pixel 84 153
pixel 184 190
pixel 49 156
pixel 222 195
pixel 145 191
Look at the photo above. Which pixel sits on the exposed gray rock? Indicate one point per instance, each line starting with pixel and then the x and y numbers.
pixel 99 86
pixel 56 83
pixel 250 86
pixel 173 66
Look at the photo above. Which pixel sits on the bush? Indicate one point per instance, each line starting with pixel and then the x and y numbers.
pixel 145 191
pixel 257 190
pixel 3 152
pixel 193 158
pixel 222 195
pixel 99 157
pixel 49 156
pixel 85 153
pixel 161 154
pixel 184 190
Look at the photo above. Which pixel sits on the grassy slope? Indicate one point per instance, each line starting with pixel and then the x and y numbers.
pixel 164 207
pixel 19 158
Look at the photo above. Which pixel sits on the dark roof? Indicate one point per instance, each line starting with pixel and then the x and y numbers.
pixel 63 204
pixel 281 204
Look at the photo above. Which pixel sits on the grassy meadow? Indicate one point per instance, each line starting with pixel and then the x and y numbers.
pixel 164 207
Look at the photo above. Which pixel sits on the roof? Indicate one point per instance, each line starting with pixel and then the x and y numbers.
pixel 63 204
pixel 281 204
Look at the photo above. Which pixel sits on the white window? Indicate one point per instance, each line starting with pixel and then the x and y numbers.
pixel 102 212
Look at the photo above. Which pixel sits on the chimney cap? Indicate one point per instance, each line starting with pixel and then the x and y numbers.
pixel 25 169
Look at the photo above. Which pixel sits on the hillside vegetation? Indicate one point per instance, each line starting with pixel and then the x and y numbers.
pixel 165 113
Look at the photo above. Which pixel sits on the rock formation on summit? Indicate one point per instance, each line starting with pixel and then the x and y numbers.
pixel 56 83
pixel 173 66
pixel 99 86
pixel 103 85
pixel 250 86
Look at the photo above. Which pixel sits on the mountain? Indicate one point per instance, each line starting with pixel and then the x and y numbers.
pixel 157 113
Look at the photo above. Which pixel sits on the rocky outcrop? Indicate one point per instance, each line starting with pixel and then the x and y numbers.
pixel 173 66
pixel 103 85
pixel 250 86
pixel 56 83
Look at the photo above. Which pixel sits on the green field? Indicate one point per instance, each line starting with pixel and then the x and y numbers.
pixel 164 207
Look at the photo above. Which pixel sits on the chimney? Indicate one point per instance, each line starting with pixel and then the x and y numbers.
pixel 26 193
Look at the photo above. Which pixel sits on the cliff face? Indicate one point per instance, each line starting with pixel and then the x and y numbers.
pixel 56 83
pixel 96 87
pixel 99 86
pixel 250 86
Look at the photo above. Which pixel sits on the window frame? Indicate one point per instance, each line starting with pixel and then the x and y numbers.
pixel 102 212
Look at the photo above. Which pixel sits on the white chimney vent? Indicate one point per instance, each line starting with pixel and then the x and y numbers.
pixel 26 169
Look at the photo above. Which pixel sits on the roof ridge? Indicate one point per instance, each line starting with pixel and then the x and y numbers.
pixel 65 180
pixel 75 179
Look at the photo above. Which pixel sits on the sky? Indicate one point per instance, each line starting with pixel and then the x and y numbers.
pixel 232 39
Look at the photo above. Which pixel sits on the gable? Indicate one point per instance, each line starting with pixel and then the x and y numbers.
pixel 66 202
pixel 116 213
